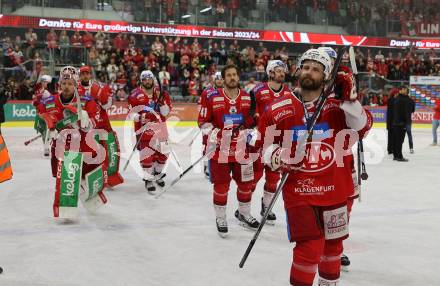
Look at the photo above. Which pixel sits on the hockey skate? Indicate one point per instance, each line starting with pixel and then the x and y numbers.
pixel 222 227
pixel 247 221
pixel 159 179
pixel 271 218
pixel 345 263
pixel 149 186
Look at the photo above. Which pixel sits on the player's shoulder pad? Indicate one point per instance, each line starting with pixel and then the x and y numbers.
pixel 48 99
pixel 214 94
pixel 258 87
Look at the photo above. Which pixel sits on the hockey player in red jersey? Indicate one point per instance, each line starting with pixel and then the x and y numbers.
pixel 102 94
pixel 264 94
pixel 217 82
pixel 77 156
pixel 226 116
pixel 318 184
pixel 151 106
pixel 41 95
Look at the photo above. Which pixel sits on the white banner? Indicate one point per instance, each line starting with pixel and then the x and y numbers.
pixel 424 80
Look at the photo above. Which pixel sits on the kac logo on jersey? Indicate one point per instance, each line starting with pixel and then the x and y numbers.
pixel 233 110
pixel 319 156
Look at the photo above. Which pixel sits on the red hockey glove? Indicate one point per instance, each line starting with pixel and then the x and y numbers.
pixel 345 84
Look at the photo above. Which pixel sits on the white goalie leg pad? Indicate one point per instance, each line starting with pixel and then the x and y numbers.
pixel 68 212
pixel 355 115
pixel 325 282
pixel 93 204
pixel 91 190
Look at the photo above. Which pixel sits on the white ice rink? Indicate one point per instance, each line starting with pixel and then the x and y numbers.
pixel 139 240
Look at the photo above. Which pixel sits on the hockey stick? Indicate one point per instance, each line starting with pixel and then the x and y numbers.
pixel 363 174
pixel 310 126
pixel 194 137
pixel 176 180
pixel 33 139
pixel 263 221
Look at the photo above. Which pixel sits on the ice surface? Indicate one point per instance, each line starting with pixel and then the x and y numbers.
pixel 139 240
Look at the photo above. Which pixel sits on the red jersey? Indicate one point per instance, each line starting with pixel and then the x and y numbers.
pixel 226 114
pixel 102 94
pixel 264 95
pixel 148 104
pixel 322 178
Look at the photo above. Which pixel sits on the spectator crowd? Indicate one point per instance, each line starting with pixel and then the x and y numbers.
pixel 182 64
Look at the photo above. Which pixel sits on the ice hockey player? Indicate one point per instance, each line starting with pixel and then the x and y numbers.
pixel 77 156
pixel 349 162
pixel 151 106
pixel 217 82
pixel 264 94
pixel 318 184
pixel 102 94
pixel 227 114
pixel 41 95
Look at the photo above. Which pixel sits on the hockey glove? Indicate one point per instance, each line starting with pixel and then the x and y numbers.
pixel 345 84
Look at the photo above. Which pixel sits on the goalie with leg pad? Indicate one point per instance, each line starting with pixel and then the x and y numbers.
pixel 77 156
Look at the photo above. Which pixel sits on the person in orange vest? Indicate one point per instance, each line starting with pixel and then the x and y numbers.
pixel 5 163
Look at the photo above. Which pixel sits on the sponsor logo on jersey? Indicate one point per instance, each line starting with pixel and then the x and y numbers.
pixel 233 110
pixel 320 131
pixel 283 114
pixel 245 98
pixel 232 119
pixel 264 92
pixel 281 104
pixel 218 106
pixel 217 99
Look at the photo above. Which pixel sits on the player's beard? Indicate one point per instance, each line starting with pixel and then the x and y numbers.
pixel 148 86
pixel 308 83
pixel 231 84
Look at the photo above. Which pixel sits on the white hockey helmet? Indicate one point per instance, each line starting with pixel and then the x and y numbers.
pixel 273 64
pixel 69 72
pixel 147 75
pixel 317 56
pixel 218 75
pixel 45 78
pixel 330 52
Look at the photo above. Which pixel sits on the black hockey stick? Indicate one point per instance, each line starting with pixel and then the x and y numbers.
pixel 361 160
pixel 176 180
pixel 310 127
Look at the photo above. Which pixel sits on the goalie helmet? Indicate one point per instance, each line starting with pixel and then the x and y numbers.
pixel 272 65
pixel 69 72
pixel 319 57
